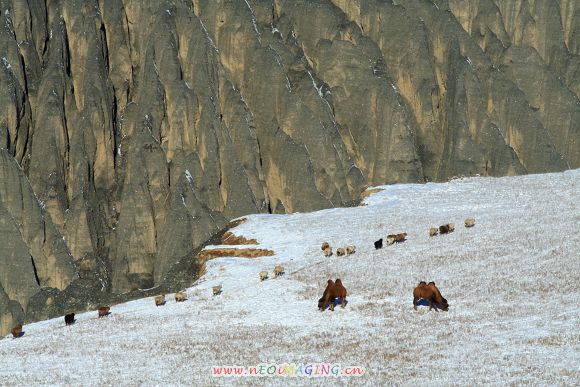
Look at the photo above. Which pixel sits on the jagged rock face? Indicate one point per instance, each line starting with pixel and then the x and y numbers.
pixel 132 131
pixel 34 254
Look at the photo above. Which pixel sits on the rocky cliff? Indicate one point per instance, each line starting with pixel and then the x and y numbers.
pixel 132 131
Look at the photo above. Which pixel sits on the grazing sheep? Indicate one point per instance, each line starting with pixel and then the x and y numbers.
pixel 396 238
pixel 263 275
pixel 350 250
pixel 446 228
pixel 340 252
pixel 180 296
pixel 469 222
pixel 104 311
pixel 160 300
pixel 217 290
pixel 433 231
pixel 69 319
pixel 278 271
pixel 379 244
pixel 327 252
pixel 325 246
pixel 16 331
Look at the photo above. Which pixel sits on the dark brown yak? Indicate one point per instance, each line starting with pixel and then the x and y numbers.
pixel 69 319
pixel 17 331
pixel 431 294
pixel 103 311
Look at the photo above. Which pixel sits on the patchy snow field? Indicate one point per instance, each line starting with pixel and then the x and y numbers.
pixel 512 283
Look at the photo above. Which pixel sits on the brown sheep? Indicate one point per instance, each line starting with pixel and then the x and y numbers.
pixel 180 296
pixel 263 275
pixel 217 290
pixel 325 246
pixel 104 311
pixel 350 250
pixel 396 238
pixel 446 228
pixel 400 238
pixel 469 222
pixel 433 231
pixel 69 319
pixel 17 331
pixel 278 271
pixel 160 300
pixel 327 252
pixel 340 252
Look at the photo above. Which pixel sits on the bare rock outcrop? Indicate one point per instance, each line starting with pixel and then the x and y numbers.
pixel 34 253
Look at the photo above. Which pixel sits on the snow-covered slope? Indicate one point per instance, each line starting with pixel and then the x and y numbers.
pixel 511 282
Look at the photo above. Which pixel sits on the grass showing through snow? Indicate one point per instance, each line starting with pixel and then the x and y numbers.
pixel 511 282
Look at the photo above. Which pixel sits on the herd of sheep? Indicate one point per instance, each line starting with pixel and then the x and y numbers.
pixel 428 292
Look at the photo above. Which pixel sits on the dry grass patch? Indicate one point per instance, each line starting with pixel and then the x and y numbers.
pixel 551 341
pixel 310 292
pixel 230 239
pixel 235 223
pixel 366 193
pixel 233 252
pixel 369 308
